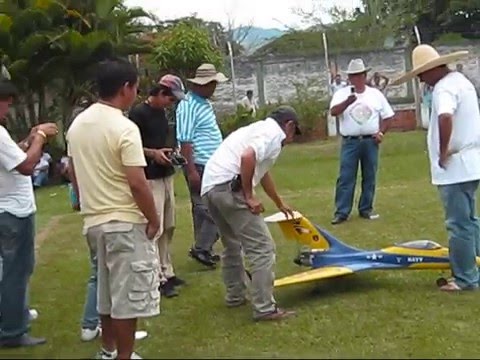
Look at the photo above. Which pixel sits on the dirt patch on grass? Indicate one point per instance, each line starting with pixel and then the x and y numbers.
pixel 47 229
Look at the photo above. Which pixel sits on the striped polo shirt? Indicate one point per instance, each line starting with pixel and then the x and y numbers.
pixel 197 124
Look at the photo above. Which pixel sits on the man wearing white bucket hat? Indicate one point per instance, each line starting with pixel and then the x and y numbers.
pixel 199 136
pixel 364 115
pixel 454 152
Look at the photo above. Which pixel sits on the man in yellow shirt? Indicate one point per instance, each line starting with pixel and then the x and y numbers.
pixel 120 218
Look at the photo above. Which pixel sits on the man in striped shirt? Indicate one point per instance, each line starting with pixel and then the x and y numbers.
pixel 199 136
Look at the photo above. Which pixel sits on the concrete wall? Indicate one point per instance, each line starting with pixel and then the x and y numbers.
pixel 281 74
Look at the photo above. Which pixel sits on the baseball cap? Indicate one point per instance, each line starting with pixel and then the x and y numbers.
pixel 174 84
pixel 286 113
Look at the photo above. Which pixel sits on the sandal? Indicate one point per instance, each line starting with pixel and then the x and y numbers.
pixel 451 286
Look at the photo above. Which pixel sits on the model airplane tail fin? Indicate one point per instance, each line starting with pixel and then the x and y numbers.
pixel 300 229
pixel 337 246
pixel 303 231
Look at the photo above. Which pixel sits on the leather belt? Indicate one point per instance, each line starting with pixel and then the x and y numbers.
pixel 359 137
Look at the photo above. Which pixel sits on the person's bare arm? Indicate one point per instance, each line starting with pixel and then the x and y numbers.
pixel 385 124
pixel 445 131
pixel 247 169
pixel 34 154
pixel 186 150
pixel 159 155
pixel 268 186
pixel 141 192
pixel 338 110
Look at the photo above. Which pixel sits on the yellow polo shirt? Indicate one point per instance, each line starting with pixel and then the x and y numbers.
pixel 102 142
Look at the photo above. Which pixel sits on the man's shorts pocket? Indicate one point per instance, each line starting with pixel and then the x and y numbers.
pixel 119 237
pixel 144 291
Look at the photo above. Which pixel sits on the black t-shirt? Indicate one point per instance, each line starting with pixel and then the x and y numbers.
pixel 153 125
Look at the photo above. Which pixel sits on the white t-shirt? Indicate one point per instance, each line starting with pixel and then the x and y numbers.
pixel 16 190
pixel 456 95
pixel 364 115
pixel 334 87
pixel 264 136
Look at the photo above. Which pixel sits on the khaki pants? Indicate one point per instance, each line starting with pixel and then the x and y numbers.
pixel 128 270
pixel 240 230
pixel 164 196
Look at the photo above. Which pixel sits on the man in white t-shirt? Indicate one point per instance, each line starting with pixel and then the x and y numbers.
pixel 240 163
pixel 17 218
pixel 454 153
pixel 364 115
pixel 249 103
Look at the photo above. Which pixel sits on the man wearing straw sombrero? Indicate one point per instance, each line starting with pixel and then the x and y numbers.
pixel 199 136
pixel 454 152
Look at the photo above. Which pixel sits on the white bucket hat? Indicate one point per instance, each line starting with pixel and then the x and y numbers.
pixel 207 73
pixel 356 66
pixel 424 58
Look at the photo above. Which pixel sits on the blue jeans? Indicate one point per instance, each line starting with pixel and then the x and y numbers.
pixel 463 231
pixel 90 314
pixel 41 179
pixel 353 152
pixel 17 251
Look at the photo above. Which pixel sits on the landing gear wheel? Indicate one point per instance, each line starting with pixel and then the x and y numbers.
pixel 442 282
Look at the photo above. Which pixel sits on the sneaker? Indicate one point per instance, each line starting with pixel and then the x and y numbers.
pixel 202 257
pixel 135 356
pixel 277 314
pixel 22 341
pixel 338 220
pixel 32 314
pixel 176 281
pixel 106 355
pixel 370 216
pixel 90 334
pixel 215 258
pixel 168 290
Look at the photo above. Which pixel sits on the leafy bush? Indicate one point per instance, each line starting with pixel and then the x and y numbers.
pixel 308 101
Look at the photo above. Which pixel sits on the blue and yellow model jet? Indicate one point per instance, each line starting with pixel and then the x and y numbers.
pixel 329 257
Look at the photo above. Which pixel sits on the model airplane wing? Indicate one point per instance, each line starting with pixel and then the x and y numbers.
pixel 315 274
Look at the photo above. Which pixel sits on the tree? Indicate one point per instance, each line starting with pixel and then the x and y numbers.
pixel 51 47
pixel 181 48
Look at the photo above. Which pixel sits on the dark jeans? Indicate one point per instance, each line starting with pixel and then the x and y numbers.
pixel 204 228
pixel 18 254
pixel 353 152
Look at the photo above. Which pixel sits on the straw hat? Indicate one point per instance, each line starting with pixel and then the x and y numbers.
pixel 207 73
pixel 424 58
pixel 357 66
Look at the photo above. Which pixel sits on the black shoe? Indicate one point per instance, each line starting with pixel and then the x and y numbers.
pixel 215 257
pixel 176 281
pixel 168 290
pixel 369 216
pixel 22 341
pixel 338 220
pixel 202 257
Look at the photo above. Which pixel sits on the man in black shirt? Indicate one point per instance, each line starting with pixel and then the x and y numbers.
pixel 154 129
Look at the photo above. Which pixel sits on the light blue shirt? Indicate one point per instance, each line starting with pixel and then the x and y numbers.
pixel 197 124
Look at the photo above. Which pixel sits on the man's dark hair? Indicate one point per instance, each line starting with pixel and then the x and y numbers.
pixel 112 76
pixel 7 90
pixel 249 92
pixel 157 89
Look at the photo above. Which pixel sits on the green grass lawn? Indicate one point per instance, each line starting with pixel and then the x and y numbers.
pixel 369 315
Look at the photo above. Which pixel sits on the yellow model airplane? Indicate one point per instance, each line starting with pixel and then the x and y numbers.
pixel 329 257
